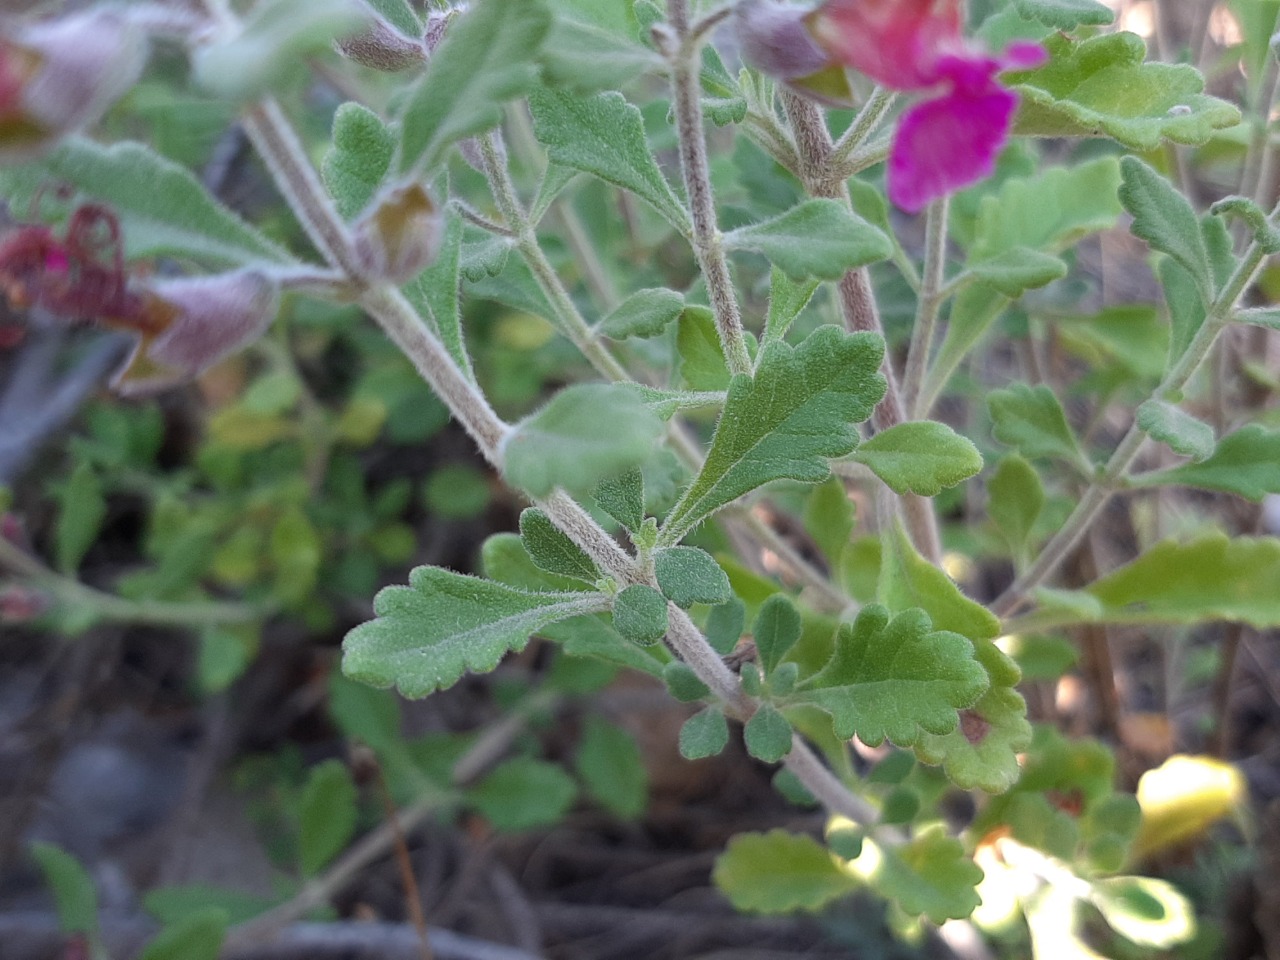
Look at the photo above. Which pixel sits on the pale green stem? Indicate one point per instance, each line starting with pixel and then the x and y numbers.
pixel 682 49
pixel 1097 494
pixel 107 606
pixel 928 304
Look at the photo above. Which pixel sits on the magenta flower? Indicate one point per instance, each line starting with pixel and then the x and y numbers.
pixel 952 139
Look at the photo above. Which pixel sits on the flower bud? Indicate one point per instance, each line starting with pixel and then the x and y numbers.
pixel 775 39
pixel 382 46
pixel 59 76
pixel 22 604
pixel 399 234
pixel 201 320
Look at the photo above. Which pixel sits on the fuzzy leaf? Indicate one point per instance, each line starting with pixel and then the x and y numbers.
pixel 604 135
pixel 725 624
pixel 486 58
pixel 819 238
pixel 612 769
pixel 688 575
pixel 646 313
pixel 908 580
pixel 270 43
pixel 1031 420
pixel 326 815
pixel 1268 317
pixel 787 421
pixel 1015 499
pixel 360 157
pixel 595 46
pixel 1065 14
pixel 895 679
pixel 931 875
pixel 982 752
pixel 523 794
pixel 776 629
pixel 1209 578
pixel 434 294
pixel 551 549
pixel 779 872
pixel 83 509
pixel 1246 463
pixel 584 434
pixel 683 683
pixel 923 457
pixel 640 614
pixel 1018 269
pixel 787 298
pixel 1165 220
pixel 429 633
pixel 704 734
pixel 701 364
pixel 197 936
pixel 767 734
pixel 1176 428
pixel 1101 86
pixel 164 210
pixel 622 497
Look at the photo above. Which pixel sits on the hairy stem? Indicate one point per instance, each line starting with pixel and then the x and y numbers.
pixel 928 305
pixel 708 242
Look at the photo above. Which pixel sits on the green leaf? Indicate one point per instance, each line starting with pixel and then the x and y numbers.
pixel 399 14
pixel 982 752
pixel 622 497
pixel 1209 578
pixel 164 210
pixel 922 457
pixel 523 794
pixel 359 158
pixel 786 422
pixel 683 682
pixel 173 904
pixel 487 57
pixel 646 313
pixel 819 238
pixel 779 872
pixel 326 815
pixel 1065 14
pixel 270 43
pixel 829 518
pixel 1015 497
pixel 688 575
pixel 1268 317
pixel 767 734
pixel 1183 433
pixel 604 136
pixel 725 624
pixel 434 294
pixel 197 936
pixel 551 549
pixel 1018 269
pixel 1246 463
pixel 640 614
pixel 931 875
pixel 1253 216
pixel 82 508
pixel 429 633
pixel 595 46
pixel 1102 86
pixel 895 679
pixel 1041 657
pixel 1031 420
pixel 908 580
pixel 776 629
pixel 787 298
pixel 704 734
pixel 701 363
pixel 74 893
pixel 296 551
pixel 225 653
pixel 584 434
pixel 612 769
pixel 1144 910
pixel 1163 217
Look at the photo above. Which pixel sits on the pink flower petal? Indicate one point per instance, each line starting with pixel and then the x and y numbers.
pixel 895 42
pixel 948 143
